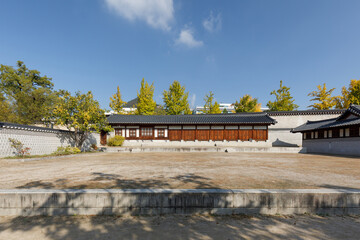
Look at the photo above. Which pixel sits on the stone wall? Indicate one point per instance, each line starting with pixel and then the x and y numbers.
pixel 40 140
pixel 20 202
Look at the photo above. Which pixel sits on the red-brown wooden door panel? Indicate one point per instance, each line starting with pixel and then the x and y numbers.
pixel 260 134
pixel 174 135
pixel 189 134
pixel 245 134
pixel 217 134
pixel 231 134
pixel 203 134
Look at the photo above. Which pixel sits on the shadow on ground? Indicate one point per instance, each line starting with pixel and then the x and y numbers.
pixel 114 181
pixel 180 227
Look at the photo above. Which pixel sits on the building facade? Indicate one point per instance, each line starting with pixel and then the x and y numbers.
pixel 340 135
pixel 280 134
pixel 205 127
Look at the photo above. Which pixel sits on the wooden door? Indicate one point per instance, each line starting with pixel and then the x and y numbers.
pixel 203 134
pixel 217 134
pixel 260 134
pixel 245 134
pixel 231 134
pixel 174 134
pixel 189 134
pixel 103 138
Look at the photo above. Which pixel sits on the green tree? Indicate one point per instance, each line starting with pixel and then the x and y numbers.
pixel 355 92
pixel 247 104
pixel 29 93
pixel 349 95
pixel 210 106
pixel 159 110
pixel 323 98
pixel 6 115
pixel 146 104
pixel 176 100
pixel 81 114
pixel 284 101
pixel 116 102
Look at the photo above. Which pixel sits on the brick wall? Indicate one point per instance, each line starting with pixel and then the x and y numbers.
pixel 39 140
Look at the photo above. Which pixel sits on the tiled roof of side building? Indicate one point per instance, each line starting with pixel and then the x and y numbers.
pixel 246 118
pixel 340 121
pixel 306 112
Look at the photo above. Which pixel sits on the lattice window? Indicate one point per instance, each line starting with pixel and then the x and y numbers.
pixel 118 132
pixel 146 132
pixel 132 133
pixel 161 133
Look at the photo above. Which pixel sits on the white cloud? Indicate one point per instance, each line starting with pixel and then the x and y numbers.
pixel 213 23
pixel 156 13
pixel 186 38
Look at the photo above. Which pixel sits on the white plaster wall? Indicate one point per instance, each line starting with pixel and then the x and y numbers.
pixel 280 135
pixel 39 142
pixel 341 146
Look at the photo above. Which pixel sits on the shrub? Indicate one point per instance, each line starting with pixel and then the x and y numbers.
pixel 19 147
pixel 116 141
pixel 67 150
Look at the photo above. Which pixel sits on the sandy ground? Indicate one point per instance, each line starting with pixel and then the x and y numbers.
pixel 183 170
pixel 180 227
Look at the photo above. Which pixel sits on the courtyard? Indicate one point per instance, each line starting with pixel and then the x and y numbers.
pixel 182 171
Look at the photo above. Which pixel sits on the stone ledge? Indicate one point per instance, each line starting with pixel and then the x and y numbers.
pixel 178 201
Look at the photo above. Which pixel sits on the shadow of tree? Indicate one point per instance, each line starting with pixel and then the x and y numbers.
pixel 116 181
pixel 184 227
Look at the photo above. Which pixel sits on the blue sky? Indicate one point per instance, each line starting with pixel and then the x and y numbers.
pixel 229 47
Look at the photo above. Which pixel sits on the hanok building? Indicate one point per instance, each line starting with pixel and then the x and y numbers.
pixel 215 127
pixel 339 135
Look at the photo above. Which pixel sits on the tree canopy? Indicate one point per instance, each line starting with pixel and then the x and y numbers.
pixel 146 104
pixel 30 95
pixel 116 102
pixel 349 95
pixel 176 100
pixel 210 106
pixel 81 114
pixel 323 98
pixel 283 100
pixel 247 104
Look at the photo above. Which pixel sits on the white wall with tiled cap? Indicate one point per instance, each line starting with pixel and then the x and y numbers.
pixel 40 141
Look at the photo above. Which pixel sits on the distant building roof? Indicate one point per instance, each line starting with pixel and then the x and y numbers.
pixel 244 118
pixel 340 121
pixel 306 112
pixel 132 103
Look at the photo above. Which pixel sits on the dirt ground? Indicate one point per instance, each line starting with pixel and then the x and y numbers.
pixel 183 170
pixel 180 227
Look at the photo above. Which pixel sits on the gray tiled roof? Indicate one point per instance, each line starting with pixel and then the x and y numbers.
pixel 306 112
pixel 333 122
pixel 245 118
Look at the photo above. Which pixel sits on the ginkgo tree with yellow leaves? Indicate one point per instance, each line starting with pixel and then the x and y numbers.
pixel 210 106
pixel 146 104
pixel 323 98
pixel 81 114
pixel 116 102
pixel 247 104
pixel 176 100
pixel 350 95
